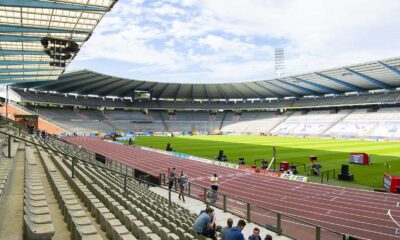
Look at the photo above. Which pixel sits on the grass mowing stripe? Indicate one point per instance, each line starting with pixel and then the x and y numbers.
pixel 331 153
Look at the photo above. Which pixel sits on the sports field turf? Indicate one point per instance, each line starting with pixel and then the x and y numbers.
pixel 331 153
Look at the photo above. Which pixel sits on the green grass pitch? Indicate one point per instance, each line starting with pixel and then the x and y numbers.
pixel 331 153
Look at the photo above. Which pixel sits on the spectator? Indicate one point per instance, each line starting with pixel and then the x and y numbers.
pixel 183 179
pixel 236 232
pixel 255 235
pixel 204 224
pixel 268 237
pixel 226 229
pixel 171 178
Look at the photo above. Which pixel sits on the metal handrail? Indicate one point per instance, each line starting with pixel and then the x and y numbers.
pixel 327 172
pixel 224 195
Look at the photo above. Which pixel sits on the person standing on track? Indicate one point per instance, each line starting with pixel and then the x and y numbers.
pixel 214 182
pixel 183 179
pixel 171 178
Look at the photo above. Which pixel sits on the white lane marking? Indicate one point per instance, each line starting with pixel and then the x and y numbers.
pixel 390 215
pixel 398 204
pixel 333 199
pixel 297 187
pixel 329 211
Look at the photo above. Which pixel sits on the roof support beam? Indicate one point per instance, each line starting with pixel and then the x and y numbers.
pixel 112 87
pixel 221 91
pixel 290 92
pixel 237 91
pixel 16 62
pixel 323 88
pixel 151 89
pixel 21 52
pixel 370 79
pixel 97 85
pixel 30 83
pixel 128 89
pixel 192 91
pixel 25 76
pixel 19 38
pixel 20 70
pixel 206 91
pixel 64 82
pixel 162 91
pixel 80 85
pixel 50 5
pixel 36 82
pixel 269 90
pixel 253 91
pixel 392 69
pixel 24 29
pixel 345 84
pixel 306 90
pixel 177 91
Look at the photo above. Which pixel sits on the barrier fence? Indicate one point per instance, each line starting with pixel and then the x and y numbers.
pixel 328 175
pixel 279 222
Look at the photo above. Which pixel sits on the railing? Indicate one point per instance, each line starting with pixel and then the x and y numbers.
pixel 279 222
pixel 327 174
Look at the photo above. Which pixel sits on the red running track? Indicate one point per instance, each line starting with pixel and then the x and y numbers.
pixel 361 214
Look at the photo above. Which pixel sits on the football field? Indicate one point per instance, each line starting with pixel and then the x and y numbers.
pixel 331 153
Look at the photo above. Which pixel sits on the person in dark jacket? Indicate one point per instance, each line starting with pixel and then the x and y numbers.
pixel 226 229
pixel 255 235
pixel 236 232
pixel 171 178
pixel 268 237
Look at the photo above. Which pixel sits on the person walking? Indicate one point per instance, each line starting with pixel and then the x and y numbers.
pixel 183 179
pixel 171 178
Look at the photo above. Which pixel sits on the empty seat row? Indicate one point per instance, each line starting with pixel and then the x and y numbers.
pixel 37 219
pixel 78 223
pixel 108 187
pixel 109 224
pixel 143 212
pixel 147 206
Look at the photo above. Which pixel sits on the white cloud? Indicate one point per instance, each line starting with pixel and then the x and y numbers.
pixel 233 41
pixel 167 9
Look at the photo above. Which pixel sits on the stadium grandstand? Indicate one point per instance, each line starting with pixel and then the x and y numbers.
pixel 359 101
pixel 89 155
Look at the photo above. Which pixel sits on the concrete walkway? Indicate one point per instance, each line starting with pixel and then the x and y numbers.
pixel 195 206
pixel 11 206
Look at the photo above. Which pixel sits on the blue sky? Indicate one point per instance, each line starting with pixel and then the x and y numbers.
pixel 201 41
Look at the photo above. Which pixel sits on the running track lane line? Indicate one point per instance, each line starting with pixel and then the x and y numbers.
pixel 154 155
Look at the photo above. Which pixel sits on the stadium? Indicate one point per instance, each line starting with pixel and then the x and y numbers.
pixel 94 154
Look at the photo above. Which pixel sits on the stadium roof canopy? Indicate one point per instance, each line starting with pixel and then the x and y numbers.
pixel 23 25
pixel 378 75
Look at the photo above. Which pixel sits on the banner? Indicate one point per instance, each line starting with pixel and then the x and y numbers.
pixel 294 177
